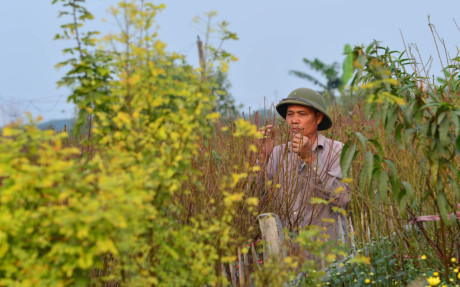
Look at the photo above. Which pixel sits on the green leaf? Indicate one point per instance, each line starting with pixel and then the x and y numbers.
pixel 346 158
pixel 347 66
pixel 394 181
pixel 362 180
pixel 369 163
pixel 397 135
pixel 366 172
pixel 382 184
pixel 457 144
pixel 409 190
pixel 440 117
pixel 317 200
pixel 408 135
pixel 456 122
pixel 434 168
pixel 444 130
pixel 454 184
pixel 371 46
pixel 443 207
pixel 390 123
pixel 362 139
pixel 401 199
pixel 377 145
pixel 433 129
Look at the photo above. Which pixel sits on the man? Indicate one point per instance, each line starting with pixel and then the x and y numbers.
pixel 306 173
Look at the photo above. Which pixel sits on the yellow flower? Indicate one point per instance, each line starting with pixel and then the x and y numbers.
pixel 456 270
pixel 458 276
pixel 433 281
pixel 453 260
pixel 372 274
pixel 368 281
pixel 436 274
pixel 423 257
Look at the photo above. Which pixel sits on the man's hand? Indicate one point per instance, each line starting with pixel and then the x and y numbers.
pixel 266 143
pixel 303 147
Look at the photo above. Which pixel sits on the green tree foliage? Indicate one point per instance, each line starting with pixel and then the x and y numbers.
pixel 409 150
pixel 330 72
pixel 209 53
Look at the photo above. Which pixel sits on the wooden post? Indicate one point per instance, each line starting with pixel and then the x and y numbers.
pixel 202 59
pixel 240 268
pixel 232 274
pixel 247 274
pixel 224 274
pixel 272 234
pixel 255 258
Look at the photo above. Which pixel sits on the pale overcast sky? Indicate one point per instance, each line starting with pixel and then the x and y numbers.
pixel 274 37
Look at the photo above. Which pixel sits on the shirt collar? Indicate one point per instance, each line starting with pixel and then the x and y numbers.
pixel 319 142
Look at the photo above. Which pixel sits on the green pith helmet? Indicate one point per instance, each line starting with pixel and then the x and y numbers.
pixel 309 98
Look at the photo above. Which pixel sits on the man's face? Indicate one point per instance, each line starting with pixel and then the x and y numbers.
pixel 303 120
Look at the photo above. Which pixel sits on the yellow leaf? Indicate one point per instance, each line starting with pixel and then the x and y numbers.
pixel 9 131
pixel 339 210
pixel 328 220
pixel 224 67
pixel 213 116
pixel 237 177
pixel 230 199
pixel 361 259
pixel 252 201
pixel 106 245
pixel 134 79
pixel 317 200
pixel 339 189
pixel 3 243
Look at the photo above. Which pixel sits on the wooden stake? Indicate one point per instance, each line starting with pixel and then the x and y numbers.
pixel 240 268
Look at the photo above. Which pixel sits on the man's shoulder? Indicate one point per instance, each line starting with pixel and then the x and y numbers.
pixel 335 145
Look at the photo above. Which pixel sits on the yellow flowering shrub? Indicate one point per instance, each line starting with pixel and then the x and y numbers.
pixel 108 212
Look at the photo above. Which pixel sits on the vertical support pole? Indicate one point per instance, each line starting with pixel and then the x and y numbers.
pixel 224 274
pixel 255 258
pixel 232 275
pixel 240 268
pixel 272 234
pixel 246 270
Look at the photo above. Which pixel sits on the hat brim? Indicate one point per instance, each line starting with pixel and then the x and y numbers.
pixel 281 108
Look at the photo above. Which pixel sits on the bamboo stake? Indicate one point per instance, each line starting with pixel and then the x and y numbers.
pixel 246 270
pixel 255 258
pixel 224 274
pixel 353 244
pixel 232 275
pixel 240 268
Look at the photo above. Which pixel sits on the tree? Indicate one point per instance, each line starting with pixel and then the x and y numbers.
pixel 329 71
pixel 208 54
